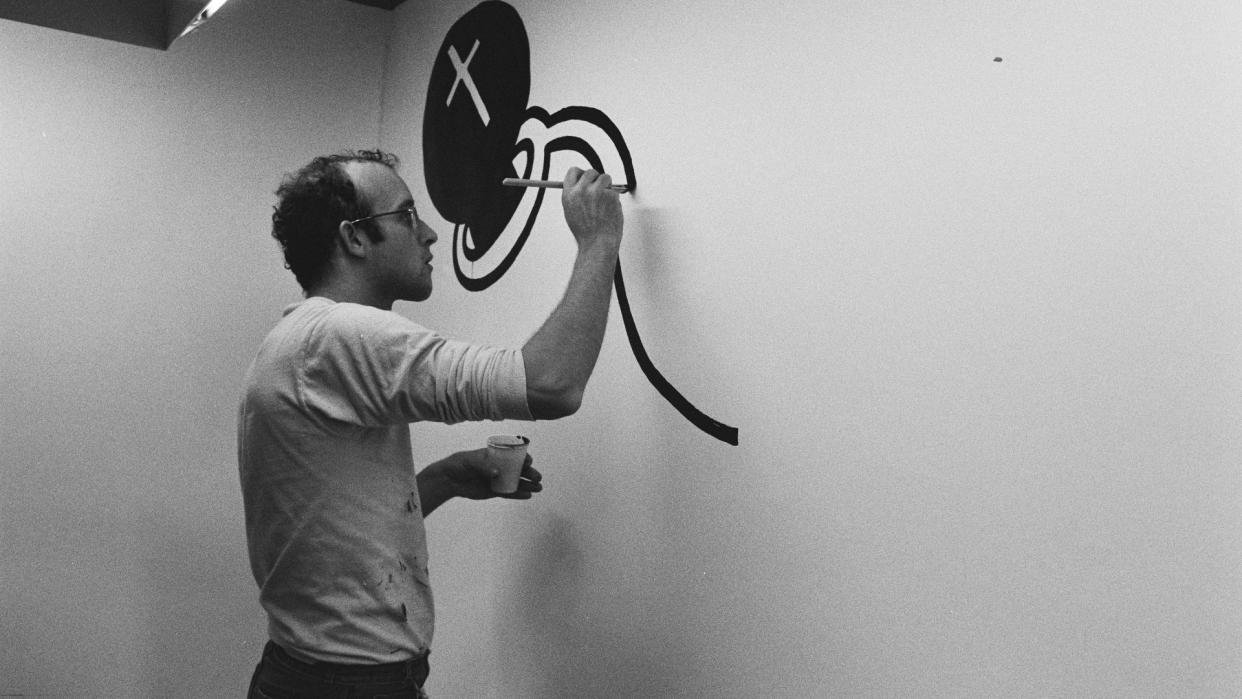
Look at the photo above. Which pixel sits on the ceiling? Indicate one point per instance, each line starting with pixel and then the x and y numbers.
pixel 382 4
pixel 151 23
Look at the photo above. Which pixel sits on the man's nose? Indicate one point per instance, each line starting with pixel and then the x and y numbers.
pixel 429 236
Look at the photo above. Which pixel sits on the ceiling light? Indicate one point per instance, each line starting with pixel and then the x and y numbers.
pixel 200 18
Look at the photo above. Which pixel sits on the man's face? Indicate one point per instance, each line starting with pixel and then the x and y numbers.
pixel 401 264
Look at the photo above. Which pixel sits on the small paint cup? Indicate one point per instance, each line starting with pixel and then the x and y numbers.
pixel 506 453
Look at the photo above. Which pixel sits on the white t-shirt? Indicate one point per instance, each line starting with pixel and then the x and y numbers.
pixel 333 523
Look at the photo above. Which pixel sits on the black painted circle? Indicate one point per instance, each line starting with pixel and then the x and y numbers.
pixel 464 159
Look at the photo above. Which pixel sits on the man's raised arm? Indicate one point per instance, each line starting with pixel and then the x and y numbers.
pixel 560 356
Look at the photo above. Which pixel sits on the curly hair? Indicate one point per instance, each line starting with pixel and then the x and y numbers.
pixel 310 205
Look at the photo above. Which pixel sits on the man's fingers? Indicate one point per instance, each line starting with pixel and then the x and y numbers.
pixel 583 177
pixel 526 488
pixel 530 479
pixel 530 474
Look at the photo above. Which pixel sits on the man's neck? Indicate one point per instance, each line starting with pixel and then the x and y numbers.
pixel 348 291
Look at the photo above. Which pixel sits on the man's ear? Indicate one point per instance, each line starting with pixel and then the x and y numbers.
pixel 354 242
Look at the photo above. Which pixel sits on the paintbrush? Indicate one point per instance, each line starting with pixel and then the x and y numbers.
pixel 552 184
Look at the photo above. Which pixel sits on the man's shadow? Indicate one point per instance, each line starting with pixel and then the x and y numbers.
pixel 563 647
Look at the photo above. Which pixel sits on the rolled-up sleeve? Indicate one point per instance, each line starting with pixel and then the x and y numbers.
pixel 368 366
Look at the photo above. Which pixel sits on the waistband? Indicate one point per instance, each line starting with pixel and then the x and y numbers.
pixel 416 669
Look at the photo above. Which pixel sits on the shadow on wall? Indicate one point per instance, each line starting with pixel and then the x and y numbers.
pixel 205 629
pixel 568 648
pixel 25 676
pixel 619 593
pixel 603 602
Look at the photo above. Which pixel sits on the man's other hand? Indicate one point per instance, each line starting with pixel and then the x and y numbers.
pixel 471 477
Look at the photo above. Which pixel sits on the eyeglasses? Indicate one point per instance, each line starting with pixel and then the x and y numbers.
pixel 411 212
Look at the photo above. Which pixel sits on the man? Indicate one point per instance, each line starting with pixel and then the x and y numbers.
pixel 334 510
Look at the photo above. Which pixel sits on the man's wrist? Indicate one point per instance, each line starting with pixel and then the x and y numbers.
pixel 435 487
pixel 602 253
pixel 605 242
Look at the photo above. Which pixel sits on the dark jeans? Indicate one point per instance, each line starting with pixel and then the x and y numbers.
pixel 281 676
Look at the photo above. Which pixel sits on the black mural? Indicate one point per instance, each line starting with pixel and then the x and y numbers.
pixel 478 130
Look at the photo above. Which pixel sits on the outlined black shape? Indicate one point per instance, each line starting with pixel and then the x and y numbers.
pixel 471 124
pixel 662 385
pixel 471 140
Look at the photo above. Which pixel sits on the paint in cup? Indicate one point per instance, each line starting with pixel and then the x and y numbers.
pixel 507 454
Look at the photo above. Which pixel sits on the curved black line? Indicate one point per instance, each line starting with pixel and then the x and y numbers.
pixel 716 429
pixel 596 117
pixel 578 145
pixel 481 283
pixel 698 418
pixel 712 427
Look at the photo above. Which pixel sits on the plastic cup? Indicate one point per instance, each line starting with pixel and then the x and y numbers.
pixel 507 453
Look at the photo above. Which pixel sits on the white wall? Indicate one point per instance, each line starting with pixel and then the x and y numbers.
pixel 138 277
pixel 978 324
